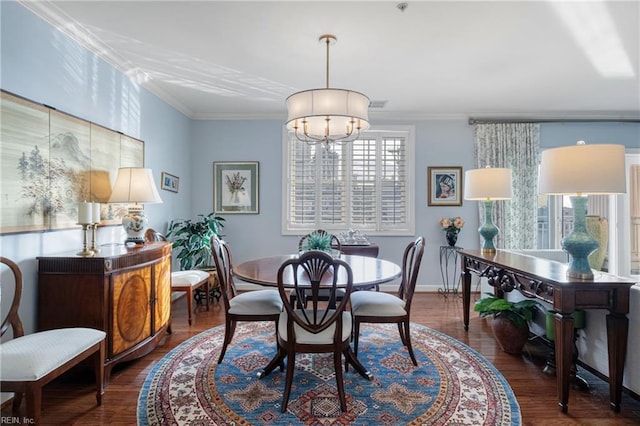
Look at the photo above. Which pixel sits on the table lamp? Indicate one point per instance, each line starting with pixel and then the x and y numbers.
pixel 488 185
pixel 582 170
pixel 135 185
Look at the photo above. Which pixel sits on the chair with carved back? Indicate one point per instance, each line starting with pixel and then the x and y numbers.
pixel 380 307
pixel 318 328
pixel 255 305
pixel 302 246
pixel 188 281
pixel 29 362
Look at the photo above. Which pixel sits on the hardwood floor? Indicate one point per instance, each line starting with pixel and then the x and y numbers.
pixel 71 399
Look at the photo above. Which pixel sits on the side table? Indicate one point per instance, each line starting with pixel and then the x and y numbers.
pixel 450 270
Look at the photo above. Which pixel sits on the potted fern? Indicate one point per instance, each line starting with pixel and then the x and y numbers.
pixel 510 323
pixel 192 240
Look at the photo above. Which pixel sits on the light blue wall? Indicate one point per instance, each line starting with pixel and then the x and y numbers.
pixel 438 143
pixel 562 134
pixel 40 64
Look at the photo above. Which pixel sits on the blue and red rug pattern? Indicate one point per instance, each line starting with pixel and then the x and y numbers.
pixel 452 385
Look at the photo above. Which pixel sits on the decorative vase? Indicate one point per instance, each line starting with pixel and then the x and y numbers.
pixel 510 338
pixel 452 238
pixel 598 227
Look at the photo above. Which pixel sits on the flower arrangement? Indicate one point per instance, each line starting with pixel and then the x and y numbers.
pixel 236 182
pixel 452 224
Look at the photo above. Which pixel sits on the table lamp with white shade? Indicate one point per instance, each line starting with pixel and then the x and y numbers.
pixel 581 170
pixel 488 185
pixel 135 185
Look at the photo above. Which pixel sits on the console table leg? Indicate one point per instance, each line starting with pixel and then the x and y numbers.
pixel 564 354
pixel 466 297
pixel 617 328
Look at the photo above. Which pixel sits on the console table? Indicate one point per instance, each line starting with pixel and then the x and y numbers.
pixel 123 291
pixel 546 280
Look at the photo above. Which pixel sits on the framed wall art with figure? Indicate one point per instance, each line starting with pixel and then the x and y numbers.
pixel 235 187
pixel 445 186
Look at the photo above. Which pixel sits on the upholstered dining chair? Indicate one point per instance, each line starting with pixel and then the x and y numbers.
pixel 29 362
pixel 302 245
pixel 184 281
pixel 256 305
pixel 380 307
pixel 317 329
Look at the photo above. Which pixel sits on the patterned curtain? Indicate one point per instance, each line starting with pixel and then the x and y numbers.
pixel 515 146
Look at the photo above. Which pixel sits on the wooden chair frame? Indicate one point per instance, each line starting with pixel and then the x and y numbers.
pixel 315 266
pixel 410 268
pixel 32 389
pixel 224 270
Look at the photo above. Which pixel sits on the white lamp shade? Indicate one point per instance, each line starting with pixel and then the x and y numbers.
pixel 488 184
pixel 314 106
pixel 583 169
pixel 134 185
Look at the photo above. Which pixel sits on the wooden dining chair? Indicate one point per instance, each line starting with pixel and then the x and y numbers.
pixel 334 243
pixel 29 362
pixel 380 307
pixel 317 329
pixel 256 305
pixel 188 281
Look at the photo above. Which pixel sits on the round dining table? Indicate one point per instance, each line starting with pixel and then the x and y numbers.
pixel 367 271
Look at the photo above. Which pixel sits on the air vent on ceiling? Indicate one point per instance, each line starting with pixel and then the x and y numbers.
pixel 377 104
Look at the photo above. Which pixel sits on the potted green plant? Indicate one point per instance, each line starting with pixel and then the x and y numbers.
pixel 192 240
pixel 318 240
pixel 510 320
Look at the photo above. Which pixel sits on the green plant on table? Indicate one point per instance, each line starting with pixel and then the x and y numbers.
pixel 192 239
pixel 317 241
pixel 519 313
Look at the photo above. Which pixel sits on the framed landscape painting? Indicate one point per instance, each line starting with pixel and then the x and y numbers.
pixel 445 186
pixel 236 187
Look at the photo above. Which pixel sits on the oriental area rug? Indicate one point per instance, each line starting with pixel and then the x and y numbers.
pixel 452 385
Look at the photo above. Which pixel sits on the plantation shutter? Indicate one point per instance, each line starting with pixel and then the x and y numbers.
pixel 364 184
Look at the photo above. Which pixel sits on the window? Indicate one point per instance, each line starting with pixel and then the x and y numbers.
pixel 366 184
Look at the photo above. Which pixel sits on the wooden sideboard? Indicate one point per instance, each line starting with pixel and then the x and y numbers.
pixel 124 291
pixel 547 280
pixel 370 250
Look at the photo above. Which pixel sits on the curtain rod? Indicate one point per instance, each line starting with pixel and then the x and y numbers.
pixel 473 121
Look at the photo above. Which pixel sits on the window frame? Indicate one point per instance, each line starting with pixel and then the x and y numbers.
pixel 407 228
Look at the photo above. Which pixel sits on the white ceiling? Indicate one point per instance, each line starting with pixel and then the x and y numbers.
pixel 437 59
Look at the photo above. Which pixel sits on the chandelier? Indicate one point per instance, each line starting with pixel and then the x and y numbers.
pixel 327 115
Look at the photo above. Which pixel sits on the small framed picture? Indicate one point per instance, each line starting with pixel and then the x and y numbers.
pixel 445 186
pixel 236 187
pixel 170 182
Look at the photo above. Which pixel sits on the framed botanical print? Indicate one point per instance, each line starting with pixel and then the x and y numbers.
pixel 236 187
pixel 445 186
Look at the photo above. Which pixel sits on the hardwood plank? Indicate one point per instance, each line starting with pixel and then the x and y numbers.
pixel 71 399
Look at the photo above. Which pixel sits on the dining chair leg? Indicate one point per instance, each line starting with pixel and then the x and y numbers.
pixel 407 336
pixel 337 365
pixel 403 338
pixel 229 329
pixel 291 361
